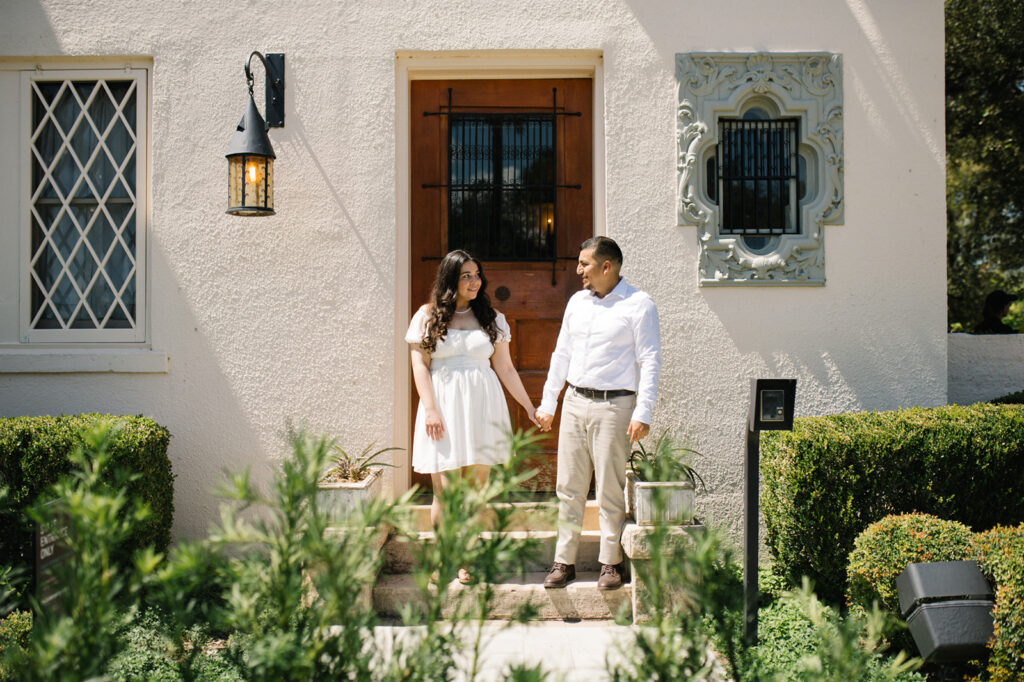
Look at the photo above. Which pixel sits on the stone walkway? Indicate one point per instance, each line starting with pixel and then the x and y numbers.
pixel 570 652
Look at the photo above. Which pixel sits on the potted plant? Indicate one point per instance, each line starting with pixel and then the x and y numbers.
pixel 351 479
pixel 664 471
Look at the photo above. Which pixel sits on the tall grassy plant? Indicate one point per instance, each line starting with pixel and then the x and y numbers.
pixel 689 591
pixel 76 637
pixel 295 586
pixel 34 453
pixel 473 532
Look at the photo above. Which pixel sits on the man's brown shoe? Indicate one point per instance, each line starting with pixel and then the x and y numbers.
pixel 560 575
pixel 610 578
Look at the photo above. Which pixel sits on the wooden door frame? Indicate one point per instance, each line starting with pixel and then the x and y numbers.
pixel 413 65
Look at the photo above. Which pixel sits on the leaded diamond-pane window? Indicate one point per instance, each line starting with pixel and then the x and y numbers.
pixel 85 143
pixel 757 177
pixel 501 190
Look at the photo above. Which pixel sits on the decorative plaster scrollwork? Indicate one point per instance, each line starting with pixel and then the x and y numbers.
pixel 721 85
pixel 690 131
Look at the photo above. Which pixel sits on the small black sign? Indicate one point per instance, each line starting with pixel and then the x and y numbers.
pixel 51 550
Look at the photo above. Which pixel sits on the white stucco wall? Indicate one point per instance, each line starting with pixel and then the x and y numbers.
pixel 294 316
pixel 984 367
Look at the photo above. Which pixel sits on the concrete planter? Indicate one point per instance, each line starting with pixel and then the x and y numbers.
pixel 340 498
pixel 676 501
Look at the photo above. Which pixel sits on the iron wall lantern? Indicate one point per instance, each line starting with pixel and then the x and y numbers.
pixel 250 155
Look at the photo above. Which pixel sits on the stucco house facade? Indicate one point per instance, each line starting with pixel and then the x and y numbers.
pixel 126 288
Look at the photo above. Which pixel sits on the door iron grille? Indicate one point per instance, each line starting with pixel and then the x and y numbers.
pixel 757 177
pixel 503 183
pixel 501 190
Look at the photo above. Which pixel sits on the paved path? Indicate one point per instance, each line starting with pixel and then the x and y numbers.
pixel 571 652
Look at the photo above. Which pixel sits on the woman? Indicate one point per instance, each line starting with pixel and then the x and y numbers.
pixel 462 422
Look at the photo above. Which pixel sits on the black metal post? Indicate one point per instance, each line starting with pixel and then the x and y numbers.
pixel 751 476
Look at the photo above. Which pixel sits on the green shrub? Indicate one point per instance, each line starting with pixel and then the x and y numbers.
pixel 830 477
pixel 1011 399
pixel 15 629
pixel 799 638
pixel 1000 552
pixel 34 454
pixel 74 637
pixel 884 549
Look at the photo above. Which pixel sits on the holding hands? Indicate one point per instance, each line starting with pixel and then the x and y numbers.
pixel 543 420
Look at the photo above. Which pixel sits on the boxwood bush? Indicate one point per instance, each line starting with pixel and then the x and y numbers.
pixel 34 454
pixel 1011 399
pixel 884 549
pixel 1000 551
pixel 830 477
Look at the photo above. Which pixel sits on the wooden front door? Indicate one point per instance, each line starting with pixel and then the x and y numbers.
pixel 503 169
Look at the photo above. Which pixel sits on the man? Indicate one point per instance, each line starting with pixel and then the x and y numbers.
pixel 609 350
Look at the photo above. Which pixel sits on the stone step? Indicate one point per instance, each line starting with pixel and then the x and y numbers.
pixel 524 521
pixel 579 600
pixel 400 551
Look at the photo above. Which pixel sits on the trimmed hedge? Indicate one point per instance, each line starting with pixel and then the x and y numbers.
pixel 830 477
pixel 1000 552
pixel 884 549
pixel 15 629
pixel 1011 399
pixel 34 454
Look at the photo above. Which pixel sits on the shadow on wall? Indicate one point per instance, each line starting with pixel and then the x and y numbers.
pixel 897 116
pixel 31 24
pixel 984 367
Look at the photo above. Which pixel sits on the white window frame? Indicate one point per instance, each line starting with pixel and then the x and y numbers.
pixel 807 86
pixel 139 333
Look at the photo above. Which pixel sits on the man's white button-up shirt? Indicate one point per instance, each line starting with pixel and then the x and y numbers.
pixel 607 344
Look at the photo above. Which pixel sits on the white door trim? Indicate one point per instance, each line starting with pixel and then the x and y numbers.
pixel 413 65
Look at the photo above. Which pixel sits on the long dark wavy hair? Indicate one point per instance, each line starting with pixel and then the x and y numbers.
pixel 442 300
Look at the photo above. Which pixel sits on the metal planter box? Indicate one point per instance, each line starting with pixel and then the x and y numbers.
pixel 948 608
pixel 676 501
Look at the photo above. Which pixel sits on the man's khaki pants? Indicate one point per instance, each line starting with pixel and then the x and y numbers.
pixel 592 438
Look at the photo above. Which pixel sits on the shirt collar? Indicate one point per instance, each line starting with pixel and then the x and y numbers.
pixel 620 290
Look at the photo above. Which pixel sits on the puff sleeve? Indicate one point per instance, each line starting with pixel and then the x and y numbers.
pixel 504 331
pixel 417 327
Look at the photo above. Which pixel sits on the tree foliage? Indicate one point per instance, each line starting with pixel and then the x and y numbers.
pixel 984 134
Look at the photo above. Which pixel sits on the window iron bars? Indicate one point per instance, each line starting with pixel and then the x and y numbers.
pixel 757 177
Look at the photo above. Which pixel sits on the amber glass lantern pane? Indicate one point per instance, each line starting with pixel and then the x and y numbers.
pixel 250 185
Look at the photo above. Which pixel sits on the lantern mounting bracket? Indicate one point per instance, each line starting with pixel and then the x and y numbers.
pixel 273 65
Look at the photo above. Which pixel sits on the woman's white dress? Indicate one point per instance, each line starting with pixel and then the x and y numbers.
pixel 468 395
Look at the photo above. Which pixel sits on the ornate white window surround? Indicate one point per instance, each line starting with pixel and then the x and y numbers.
pixel 808 86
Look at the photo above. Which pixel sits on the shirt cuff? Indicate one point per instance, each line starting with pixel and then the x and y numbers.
pixel 641 415
pixel 547 407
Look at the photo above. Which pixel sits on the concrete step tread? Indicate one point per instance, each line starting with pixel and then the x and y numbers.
pixel 584 580
pixel 421 514
pixel 400 551
pixel 579 600
pixel 428 535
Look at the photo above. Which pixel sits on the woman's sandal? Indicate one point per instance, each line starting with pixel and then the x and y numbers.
pixel 464 576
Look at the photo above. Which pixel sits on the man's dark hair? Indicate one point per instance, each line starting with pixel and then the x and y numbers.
pixel 604 248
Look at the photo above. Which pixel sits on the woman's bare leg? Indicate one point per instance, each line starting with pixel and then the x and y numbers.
pixel 438 483
pixel 478 473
